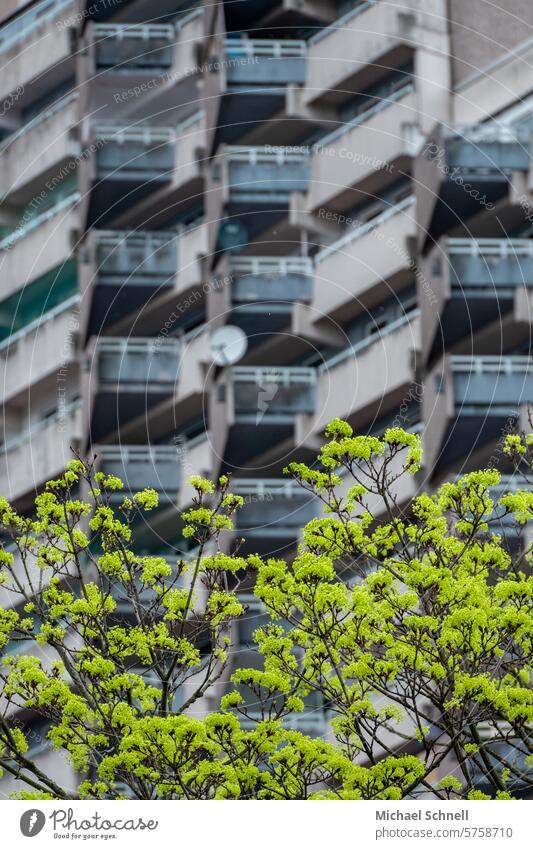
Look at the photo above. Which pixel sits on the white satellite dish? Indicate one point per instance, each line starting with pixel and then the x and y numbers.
pixel 228 345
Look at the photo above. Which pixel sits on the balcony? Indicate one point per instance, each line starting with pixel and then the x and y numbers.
pixel 260 174
pixel 133 376
pixel 494 385
pixel 264 62
pixel 143 467
pixel 364 152
pixel 133 47
pixel 370 377
pixel 32 354
pixel 486 148
pixel 464 171
pixel 39 452
pixel 474 282
pixel 382 32
pixel 251 188
pixel 138 365
pixel 248 83
pixel 469 400
pixel 273 513
pixel 123 270
pixel 253 410
pixel 130 164
pixel 272 394
pixel 34 42
pixel 44 145
pixel 38 245
pixel 263 278
pixel 130 66
pixel 365 264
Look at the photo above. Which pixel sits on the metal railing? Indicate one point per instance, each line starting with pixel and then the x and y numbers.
pixel 379 106
pixel 272 266
pixel 138 453
pixel 362 6
pixel 268 487
pixel 190 121
pixel 27 21
pixel 139 32
pixel 21 232
pixel 36 427
pixel 491 247
pixel 363 344
pixel 494 364
pixel 139 238
pixel 45 318
pixel 145 135
pixel 365 228
pixel 39 119
pixel 256 155
pixel 489 132
pixel 137 345
pixel 267 48
pixel 284 375
pixel 189 16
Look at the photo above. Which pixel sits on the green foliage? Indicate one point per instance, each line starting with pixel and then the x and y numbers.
pixel 422 658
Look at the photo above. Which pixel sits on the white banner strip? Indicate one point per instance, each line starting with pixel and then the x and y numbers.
pixel 288 825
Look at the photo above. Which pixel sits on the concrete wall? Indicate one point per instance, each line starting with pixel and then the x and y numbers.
pixel 482 32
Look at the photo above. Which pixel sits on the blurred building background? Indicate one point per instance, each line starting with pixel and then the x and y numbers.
pixel 347 183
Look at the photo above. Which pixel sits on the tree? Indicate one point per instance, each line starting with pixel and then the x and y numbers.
pixel 422 659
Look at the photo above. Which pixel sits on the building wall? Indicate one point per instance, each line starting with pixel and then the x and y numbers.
pixel 482 32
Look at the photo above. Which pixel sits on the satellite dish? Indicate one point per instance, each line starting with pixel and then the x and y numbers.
pixel 228 345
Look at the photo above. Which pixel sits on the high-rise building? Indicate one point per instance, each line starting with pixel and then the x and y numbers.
pixel 344 186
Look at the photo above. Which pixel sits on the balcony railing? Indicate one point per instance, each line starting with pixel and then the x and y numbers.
pixel 135 153
pixel 359 6
pixel 260 278
pixel 493 385
pixel 262 173
pixel 482 265
pixel 140 258
pixel 139 365
pixel 362 117
pixel 272 507
pixel 264 61
pixel 10 342
pixel 40 118
pixel 67 413
pixel 266 393
pixel 364 344
pixel 25 23
pixel 362 229
pixel 143 466
pixel 26 227
pixel 39 451
pixel 484 148
pixel 125 47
